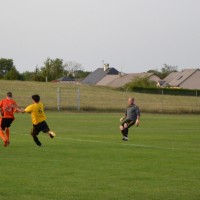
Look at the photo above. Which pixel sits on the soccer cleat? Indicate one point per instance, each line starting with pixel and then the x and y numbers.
pixel 51 134
pixel 125 139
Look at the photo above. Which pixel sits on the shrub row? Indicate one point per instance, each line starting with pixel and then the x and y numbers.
pixel 167 91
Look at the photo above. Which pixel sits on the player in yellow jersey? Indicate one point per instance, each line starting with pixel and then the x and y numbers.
pixel 38 119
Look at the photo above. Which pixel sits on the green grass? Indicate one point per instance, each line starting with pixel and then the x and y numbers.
pixel 88 160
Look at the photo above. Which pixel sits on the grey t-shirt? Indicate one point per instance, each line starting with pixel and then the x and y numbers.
pixel 132 112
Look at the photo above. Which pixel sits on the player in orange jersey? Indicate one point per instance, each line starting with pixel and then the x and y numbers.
pixel 8 106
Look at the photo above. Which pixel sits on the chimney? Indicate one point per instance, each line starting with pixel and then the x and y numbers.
pixel 105 67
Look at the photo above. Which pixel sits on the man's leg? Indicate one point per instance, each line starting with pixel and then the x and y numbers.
pixel 45 128
pixel 126 128
pixel 35 138
pixel 3 138
pixel 2 133
pixel 8 135
pixel 126 131
pixel 122 130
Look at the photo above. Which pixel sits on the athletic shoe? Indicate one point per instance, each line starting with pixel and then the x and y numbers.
pixel 125 138
pixel 51 134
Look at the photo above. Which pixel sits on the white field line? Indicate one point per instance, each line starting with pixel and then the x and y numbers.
pixel 125 143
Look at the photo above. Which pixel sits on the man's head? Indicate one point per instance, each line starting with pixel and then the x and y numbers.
pixel 9 94
pixel 36 98
pixel 131 101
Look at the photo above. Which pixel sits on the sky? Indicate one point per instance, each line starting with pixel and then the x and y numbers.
pixel 130 35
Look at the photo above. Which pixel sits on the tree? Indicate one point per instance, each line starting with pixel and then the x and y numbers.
pixel 156 72
pixel 71 68
pixel 38 75
pixel 167 69
pixel 33 76
pixel 52 69
pixel 12 74
pixel 80 74
pixel 27 76
pixel 5 66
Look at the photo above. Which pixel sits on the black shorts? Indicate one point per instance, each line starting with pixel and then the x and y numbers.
pixel 42 126
pixel 128 122
pixel 6 123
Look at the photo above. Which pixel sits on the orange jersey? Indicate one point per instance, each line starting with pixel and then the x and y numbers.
pixel 8 107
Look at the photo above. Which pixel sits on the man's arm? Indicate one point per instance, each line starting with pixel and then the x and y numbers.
pixel 28 109
pixel 137 122
pixel 122 118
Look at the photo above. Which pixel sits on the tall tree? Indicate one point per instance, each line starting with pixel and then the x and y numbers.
pixel 72 68
pixel 52 69
pixel 5 66
pixel 167 69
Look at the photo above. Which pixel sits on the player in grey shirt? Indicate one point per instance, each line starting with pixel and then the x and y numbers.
pixel 131 117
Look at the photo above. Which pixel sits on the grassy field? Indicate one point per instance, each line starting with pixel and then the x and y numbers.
pixel 88 160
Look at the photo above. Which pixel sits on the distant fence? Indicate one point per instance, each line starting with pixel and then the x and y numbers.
pixel 100 99
pixel 162 102
pixel 79 99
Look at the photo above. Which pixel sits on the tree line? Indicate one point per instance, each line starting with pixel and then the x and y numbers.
pixel 52 69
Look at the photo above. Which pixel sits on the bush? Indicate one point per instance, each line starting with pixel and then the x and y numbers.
pixel 167 91
pixel 142 82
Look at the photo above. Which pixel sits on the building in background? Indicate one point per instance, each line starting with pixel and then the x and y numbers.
pixel 186 79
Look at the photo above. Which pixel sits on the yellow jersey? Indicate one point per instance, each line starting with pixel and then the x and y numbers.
pixel 37 112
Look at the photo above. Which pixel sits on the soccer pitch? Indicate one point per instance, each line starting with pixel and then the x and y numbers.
pixel 88 160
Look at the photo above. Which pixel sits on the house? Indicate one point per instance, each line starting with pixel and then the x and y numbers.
pixel 64 79
pixel 99 74
pixel 107 79
pixel 160 83
pixel 122 79
pixel 187 79
pixel 111 77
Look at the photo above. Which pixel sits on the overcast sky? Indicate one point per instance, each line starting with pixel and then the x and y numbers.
pixel 130 35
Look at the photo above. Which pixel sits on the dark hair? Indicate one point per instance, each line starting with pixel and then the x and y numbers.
pixel 9 94
pixel 36 98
